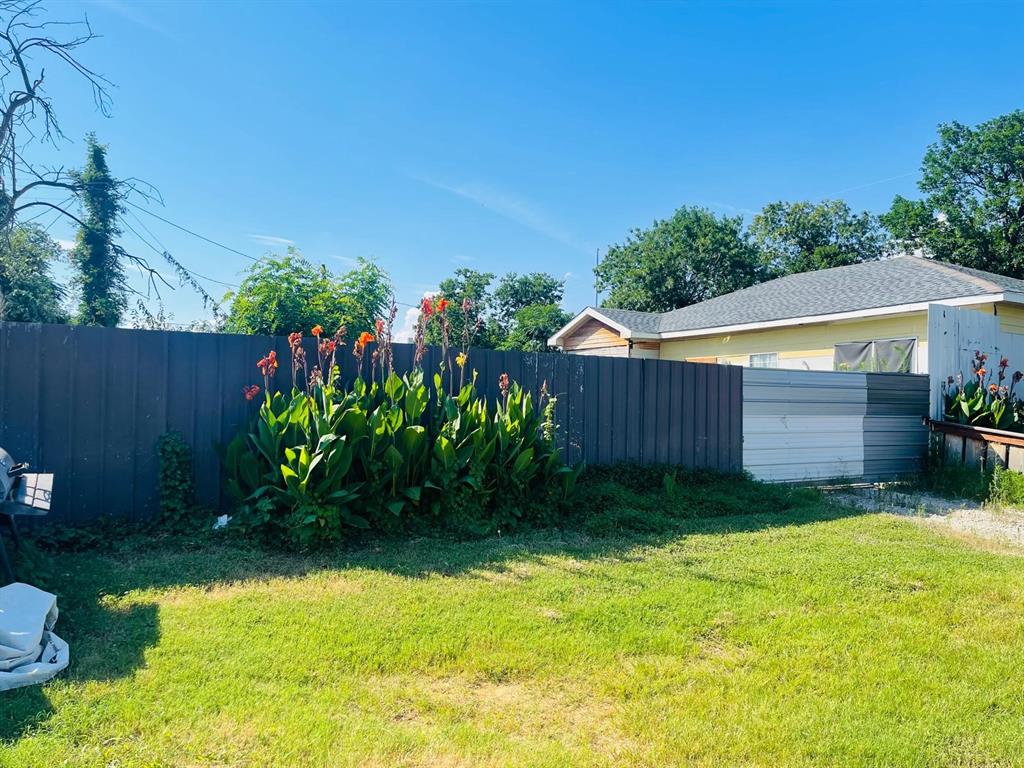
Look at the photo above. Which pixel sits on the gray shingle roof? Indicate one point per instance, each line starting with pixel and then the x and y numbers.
pixel 884 283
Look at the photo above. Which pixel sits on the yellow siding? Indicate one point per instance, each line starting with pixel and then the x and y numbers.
pixel 797 342
pixel 1011 318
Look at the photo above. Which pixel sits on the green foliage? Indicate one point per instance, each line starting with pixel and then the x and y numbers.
pixel 802 236
pixel 690 257
pixel 533 325
pixel 97 257
pixel 522 311
pixel 278 295
pixel 982 402
pixel 28 292
pixel 175 488
pixel 973 207
pixel 475 326
pixel 390 455
pixel 1007 487
pixel 648 499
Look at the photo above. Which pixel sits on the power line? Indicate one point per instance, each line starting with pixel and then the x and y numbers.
pixel 162 252
pixel 164 249
pixel 190 232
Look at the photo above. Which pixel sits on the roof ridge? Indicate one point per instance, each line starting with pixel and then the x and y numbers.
pixel 942 266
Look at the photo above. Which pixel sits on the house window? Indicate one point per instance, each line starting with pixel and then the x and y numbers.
pixel 765 360
pixel 883 356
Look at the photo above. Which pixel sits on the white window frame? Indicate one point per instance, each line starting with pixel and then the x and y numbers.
pixel 770 357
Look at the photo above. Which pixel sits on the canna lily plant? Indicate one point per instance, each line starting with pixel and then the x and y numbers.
pixel 982 402
pixel 391 451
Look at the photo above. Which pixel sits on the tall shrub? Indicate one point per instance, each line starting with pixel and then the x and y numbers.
pixel 391 450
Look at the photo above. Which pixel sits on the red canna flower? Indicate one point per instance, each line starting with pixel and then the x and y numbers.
pixel 294 339
pixel 442 305
pixel 380 327
pixel 426 307
pixel 503 384
pixel 327 347
pixel 250 392
pixel 317 330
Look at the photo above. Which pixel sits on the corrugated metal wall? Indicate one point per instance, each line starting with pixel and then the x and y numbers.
pixel 817 425
pixel 89 405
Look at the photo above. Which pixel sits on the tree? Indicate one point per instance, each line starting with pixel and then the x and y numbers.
pixel 96 255
pixel 690 257
pixel 28 292
pixel 973 210
pixel 534 324
pixel 802 237
pixel 514 292
pixel 472 286
pixel 281 295
pixel 27 114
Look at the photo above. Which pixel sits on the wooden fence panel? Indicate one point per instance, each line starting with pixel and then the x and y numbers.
pixel 90 404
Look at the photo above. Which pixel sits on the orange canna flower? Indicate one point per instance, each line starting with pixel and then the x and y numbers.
pixel 442 305
pixel 993 388
pixel 317 330
pixel 380 327
pixel 294 339
pixel 981 373
pixel 364 338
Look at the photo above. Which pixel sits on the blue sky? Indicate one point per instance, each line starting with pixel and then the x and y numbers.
pixel 515 136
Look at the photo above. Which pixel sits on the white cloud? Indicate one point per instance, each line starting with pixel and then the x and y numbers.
pixel 67 245
pixel 407 331
pixel 510 207
pixel 272 240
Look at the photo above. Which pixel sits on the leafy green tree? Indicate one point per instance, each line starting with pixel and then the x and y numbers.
pixel 281 295
pixel 972 212
pixel 28 292
pixel 482 330
pixel 533 326
pixel 514 292
pixel 96 256
pixel 690 257
pixel 803 236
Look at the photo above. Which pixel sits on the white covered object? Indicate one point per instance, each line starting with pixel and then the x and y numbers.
pixel 29 651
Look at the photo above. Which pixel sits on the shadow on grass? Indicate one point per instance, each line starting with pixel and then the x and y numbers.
pixel 108 641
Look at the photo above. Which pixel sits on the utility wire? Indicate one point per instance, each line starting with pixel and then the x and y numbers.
pixel 190 232
pixel 162 252
pixel 164 249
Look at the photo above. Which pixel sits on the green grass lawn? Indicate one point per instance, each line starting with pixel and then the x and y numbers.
pixel 814 637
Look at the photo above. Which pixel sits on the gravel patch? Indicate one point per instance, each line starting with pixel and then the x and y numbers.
pixel 961 515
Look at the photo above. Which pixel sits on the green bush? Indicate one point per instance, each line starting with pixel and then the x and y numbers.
pixel 1007 487
pixel 392 453
pixel 176 491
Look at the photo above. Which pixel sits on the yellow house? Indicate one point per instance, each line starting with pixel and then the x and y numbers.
pixel 871 316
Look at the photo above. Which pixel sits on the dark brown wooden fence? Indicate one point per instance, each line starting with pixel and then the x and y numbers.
pixel 89 405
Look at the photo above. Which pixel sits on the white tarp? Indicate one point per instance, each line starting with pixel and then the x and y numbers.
pixel 29 651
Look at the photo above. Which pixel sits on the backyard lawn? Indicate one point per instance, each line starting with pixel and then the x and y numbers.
pixel 817 637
